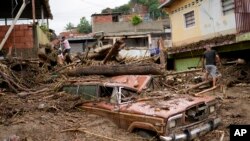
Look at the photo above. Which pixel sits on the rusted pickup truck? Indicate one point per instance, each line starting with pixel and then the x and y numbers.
pixel 166 117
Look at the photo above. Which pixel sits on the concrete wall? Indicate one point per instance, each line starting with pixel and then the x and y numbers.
pixel 185 64
pixel 114 27
pixel 177 19
pixel 213 22
pixel 42 37
pixel 134 53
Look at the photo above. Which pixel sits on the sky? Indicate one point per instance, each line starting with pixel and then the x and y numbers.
pixel 65 11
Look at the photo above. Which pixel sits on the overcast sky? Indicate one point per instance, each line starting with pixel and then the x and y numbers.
pixel 65 11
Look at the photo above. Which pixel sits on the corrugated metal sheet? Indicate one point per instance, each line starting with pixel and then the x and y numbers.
pixel 242 15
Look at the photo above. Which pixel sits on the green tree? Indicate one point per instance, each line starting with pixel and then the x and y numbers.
pixel 107 10
pixel 69 26
pixel 123 9
pixel 84 26
pixel 136 20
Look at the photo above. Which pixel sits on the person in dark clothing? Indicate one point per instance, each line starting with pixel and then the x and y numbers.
pixel 209 60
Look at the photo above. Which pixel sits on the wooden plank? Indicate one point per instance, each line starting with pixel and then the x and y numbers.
pixel 205 91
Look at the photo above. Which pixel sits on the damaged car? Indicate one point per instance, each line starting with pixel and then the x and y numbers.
pixel 157 114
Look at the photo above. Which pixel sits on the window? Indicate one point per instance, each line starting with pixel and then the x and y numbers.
pixel 87 91
pixel 189 19
pixel 115 18
pixel 70 89
pixel 227 6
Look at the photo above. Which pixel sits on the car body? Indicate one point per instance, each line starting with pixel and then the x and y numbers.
pixel 169 116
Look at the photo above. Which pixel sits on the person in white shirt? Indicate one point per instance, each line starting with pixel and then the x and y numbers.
pixel 66 47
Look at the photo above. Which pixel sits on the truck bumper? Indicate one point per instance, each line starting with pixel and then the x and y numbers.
pixel 191 134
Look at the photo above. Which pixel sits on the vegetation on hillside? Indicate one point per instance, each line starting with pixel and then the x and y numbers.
pixel 152 6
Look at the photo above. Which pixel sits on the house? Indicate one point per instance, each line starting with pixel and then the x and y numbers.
pixel 221 24
pixel 138 38
pixel 118 22
pixel 22 40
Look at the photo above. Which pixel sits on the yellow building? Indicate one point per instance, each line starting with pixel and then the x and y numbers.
pixel 221 24
pixel 195 20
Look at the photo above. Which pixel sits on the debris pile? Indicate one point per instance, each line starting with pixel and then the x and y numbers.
pixel 236 74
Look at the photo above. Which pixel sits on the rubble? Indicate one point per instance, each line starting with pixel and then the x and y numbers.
pixel 30 88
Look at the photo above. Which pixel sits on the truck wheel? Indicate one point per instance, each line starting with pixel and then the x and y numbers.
pixel 149 135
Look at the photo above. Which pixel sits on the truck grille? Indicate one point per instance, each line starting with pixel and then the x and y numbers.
pixel 196 113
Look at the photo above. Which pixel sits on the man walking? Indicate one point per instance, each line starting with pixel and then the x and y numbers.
pixel 209 59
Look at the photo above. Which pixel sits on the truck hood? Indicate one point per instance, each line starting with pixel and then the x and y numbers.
pixel 164 107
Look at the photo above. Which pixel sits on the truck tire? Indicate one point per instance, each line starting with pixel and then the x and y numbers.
pixel 149 135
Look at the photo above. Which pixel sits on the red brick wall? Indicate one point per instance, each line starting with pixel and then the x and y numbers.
pixel 127 18
pixel 102 19
pixel 20 37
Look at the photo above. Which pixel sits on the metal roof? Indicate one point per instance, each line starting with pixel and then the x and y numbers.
pixel 7 6
pixel 107 14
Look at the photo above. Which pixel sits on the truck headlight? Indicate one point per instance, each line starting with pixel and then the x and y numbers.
pixel 172 123
pixel 211 109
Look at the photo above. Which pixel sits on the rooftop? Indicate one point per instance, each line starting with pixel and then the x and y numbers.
pixel 6 8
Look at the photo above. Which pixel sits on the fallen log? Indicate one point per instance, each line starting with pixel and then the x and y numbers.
pixel 142 69
pixel 103 48
pixel 114 50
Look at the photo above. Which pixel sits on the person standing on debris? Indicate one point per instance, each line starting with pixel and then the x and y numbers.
pixel 66 50
pixel 155 48
pixel 66 47
pixel 209 60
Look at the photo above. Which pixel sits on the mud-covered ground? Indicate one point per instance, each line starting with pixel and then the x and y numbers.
pixel 53 117
pixel 233 110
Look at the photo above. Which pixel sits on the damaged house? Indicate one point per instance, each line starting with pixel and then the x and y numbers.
pixel 138 38
pixel 110 27
pixel 222 24
pixel 19 39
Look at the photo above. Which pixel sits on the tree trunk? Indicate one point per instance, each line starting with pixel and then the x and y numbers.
pixel 143 69
pixel 114 50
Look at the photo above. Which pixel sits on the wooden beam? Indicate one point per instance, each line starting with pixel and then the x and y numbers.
pixel 162 54
pixel 195 86
pixel 33 11
pixel 205 91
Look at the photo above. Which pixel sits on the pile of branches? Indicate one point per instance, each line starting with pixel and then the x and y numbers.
pixel 9 79
pixel 22 75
